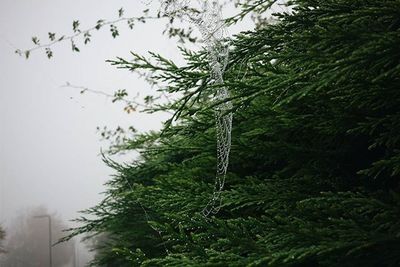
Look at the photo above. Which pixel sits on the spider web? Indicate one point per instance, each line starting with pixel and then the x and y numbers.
pixel 212 28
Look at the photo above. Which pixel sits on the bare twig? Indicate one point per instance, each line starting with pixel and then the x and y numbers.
pixel 128 102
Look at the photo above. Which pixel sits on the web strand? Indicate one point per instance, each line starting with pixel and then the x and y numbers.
pixel 213 31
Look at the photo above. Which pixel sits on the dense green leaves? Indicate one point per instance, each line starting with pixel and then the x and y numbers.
pixel 314 173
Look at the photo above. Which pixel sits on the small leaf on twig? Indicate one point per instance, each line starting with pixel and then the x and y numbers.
pixel 75 25
pixel 49 53
pixel 35 40
pixel 52 36
pixel 120 12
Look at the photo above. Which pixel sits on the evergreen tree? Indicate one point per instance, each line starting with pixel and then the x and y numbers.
pixel 314 170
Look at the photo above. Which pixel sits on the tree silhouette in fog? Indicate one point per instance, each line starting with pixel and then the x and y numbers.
pixel 28 242
pixel 2 235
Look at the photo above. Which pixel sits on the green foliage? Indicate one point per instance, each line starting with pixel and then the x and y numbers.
pixel 314 172
pixel 74 47
pixel 114 31
pixel 35 40
pixel 120 12
pixel 173 30
pixel 75 26
pixel 52 36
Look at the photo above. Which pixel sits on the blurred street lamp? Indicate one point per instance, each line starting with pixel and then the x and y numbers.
pixel 50 239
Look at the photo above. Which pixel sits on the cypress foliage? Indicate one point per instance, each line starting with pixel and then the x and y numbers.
pixel 315 163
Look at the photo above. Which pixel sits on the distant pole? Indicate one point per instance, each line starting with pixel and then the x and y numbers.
pixel 50 239
pixel 75 254
pixel 78 264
